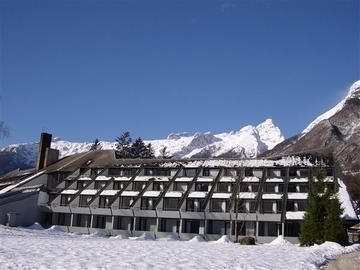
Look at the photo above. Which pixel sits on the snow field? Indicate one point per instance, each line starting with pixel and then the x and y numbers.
pixel 22 248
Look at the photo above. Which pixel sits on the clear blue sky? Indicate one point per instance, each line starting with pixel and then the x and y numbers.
pixel 86 69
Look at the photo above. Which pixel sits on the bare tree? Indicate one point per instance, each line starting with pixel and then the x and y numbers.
pixel 4 130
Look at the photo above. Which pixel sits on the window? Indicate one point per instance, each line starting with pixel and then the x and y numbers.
pixel 298 205
pixel 269 228
pixel 170 204
pixel 291 187
pixel 147 203
pixel 125 202
pixel 292 229
pixel 100 184
pixel 84 200
pixel 104 201
pixel 194 205
pixel 169 225
pixel 191 226
pixel 230 172
pixel 139 186
pixel 68 183
pixel 267 206
pixel 247 206
pixel 82 220
pixel 248 172
pixel 273 187
pixel 118 185
pixel 94 172
pixel 64 200
pixel 217 227
pixel 246 187
pixel 63 219
pixel 206 172
pixel 201 186
pixel 157 172
pixel 224 187
pixel 123 223
pixel 121 172
pixel 219 205
pixel 145 224
pixel 180 186
pixel 189 172
pixel 81 184
pixel 100 222
pixel 158 186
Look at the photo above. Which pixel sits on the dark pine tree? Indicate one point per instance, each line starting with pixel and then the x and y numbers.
pixel 96 145
pixel 164 153
pixel 123 145
pixel 140 150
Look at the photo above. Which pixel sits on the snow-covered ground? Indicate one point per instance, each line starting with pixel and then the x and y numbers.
pixel 51 249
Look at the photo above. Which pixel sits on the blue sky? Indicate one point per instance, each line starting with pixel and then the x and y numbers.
pixel 87 69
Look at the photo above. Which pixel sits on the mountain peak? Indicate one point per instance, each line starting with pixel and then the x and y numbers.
pixel 354 91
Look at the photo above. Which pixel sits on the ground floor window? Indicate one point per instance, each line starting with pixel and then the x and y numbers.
pixel 218 227
pixel 145 224
pixel 269 228
pixel 63 219
pixel 191 226
pixel 245 228
pixel 99 222
pixel 82 220
pixel 123 223
pixel 292 229
pixel 169 225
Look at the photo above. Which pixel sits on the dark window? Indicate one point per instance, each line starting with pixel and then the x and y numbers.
pixel 63 219
pixel 138 186
pixel 267 206
pixel 81 184
pixel 247 206
pixel 191 226
pixel 104 201
pixel 292 187
pixel 219 205
pixel 82 220
pixel 304 188
pixel 206 172
pixel 169 225
pixel 157 172
pixel 230 172
pixel 100 222
pixel 329 172
pixel 68 183
pixel 224 187
pixel 189 172
pixel 247 187
pixel 180 186
pixel 147 203
pixel 217 227
pixel 83 170
pixel 273 187
pixel 170 204
pixel 100 184
pixel 201 186
pixel 118 185
pixel 84 200
pixel 157 186
pixel 292 229
pixel 94 172
pixel 249 172
pixel 121 172
pixel 269 228
pixel 194 205
pixel 64 200
pixel 125 202
pixel 123 223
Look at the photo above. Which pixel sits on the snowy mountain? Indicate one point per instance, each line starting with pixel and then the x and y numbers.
pixel 247 142
pixel 335 133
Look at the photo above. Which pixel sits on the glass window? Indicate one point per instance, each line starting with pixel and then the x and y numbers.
pixel 219 205
pixel 224 187
pixel 201 187
pixel 139 186
pixel 125 202
pixel 171 204
pixel 189 172
pixel 180 186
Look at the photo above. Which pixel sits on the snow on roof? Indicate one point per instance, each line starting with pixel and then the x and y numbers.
pixel 109 192
pixel 151 193
pixel 297 196
pixel 272 196
pixel 298 215
pixel 143 178
pixel 213 163
pixel 326 179
pixel 346 203
pixel 89 192
pixel 122 178
pixel 129 193
pixel 162 179
pixel 69 191
pixel 4 190
pixel 197 194
pixel 299 180
pixel 247 195
pixel 173 194
pixel 84 178
pixel 274 180
pixel 103 178
pixel 204 179
pixel 184 179
pixel 221 195
pixel 251 179
pixel 227 179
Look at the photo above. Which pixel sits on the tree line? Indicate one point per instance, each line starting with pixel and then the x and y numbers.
pixel 127 148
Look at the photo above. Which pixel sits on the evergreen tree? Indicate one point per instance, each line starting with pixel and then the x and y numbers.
pixel 96 145
pixel 140 150
pixel 334 229
pixel 322 221
pixel 123 145
pixel 164 153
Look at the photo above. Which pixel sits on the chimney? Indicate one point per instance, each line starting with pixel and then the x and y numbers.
pixel 45 142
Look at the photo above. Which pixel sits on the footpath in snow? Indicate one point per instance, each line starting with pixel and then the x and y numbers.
pixel 36 248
